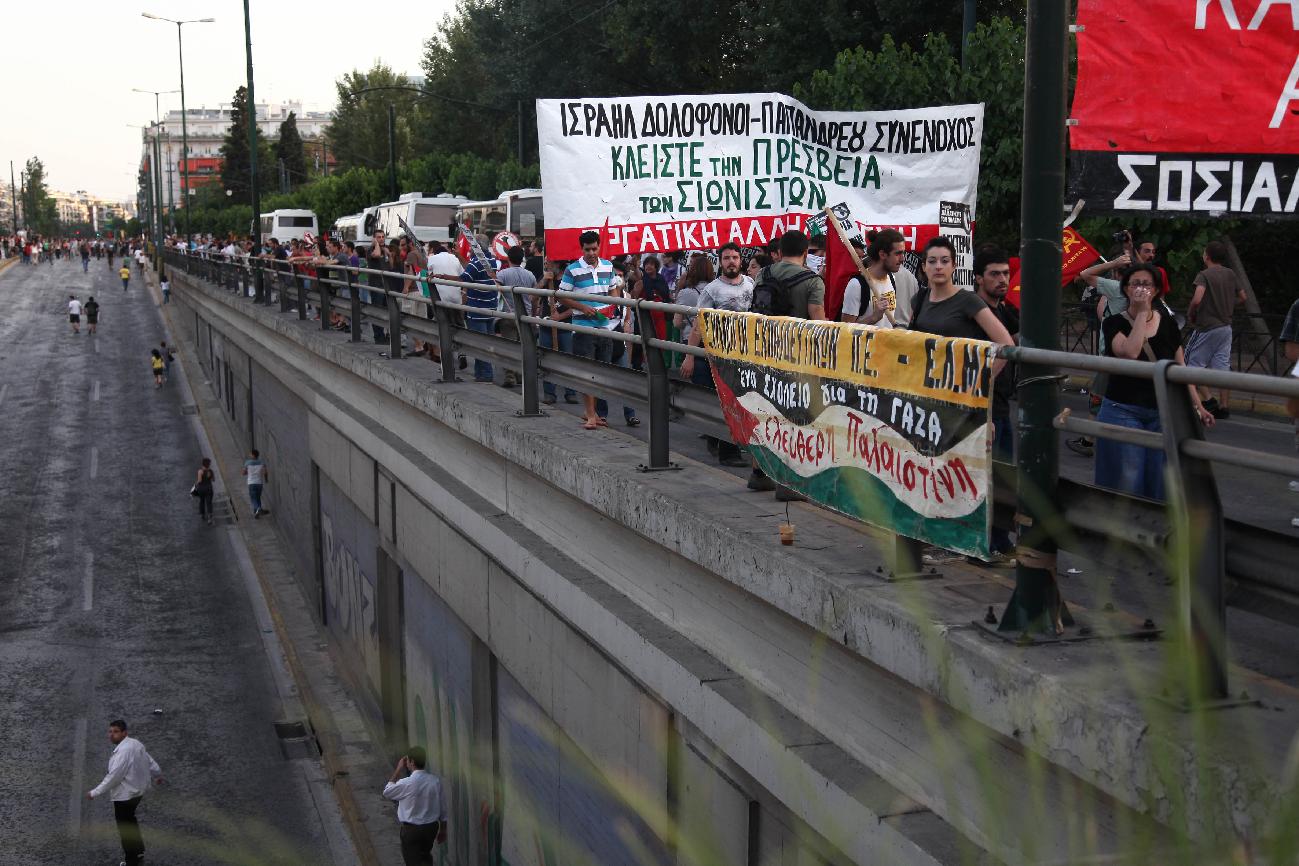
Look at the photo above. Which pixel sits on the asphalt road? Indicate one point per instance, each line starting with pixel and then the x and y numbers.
pixel 118 602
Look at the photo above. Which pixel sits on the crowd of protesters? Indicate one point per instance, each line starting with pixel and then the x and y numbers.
pixel 1132 317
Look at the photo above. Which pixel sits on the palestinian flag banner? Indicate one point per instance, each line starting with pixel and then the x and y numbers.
pixel 890 427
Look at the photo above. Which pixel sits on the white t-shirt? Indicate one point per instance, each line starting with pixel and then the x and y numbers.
pixel 447 266
pixel 852 295
pixel 74 308
pixel 721 295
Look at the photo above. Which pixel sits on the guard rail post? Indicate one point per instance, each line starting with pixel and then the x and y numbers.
pixel 355 297
pixel 531 368
pixel 259 281
pixel 656 375
pixel 301 286
pixel 446 340
pixel 282 290
pixel 394 327
pixel 326 305
pixel 908 562
pixel 1196 546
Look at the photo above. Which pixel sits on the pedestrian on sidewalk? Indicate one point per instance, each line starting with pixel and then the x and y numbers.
pixel 203 490
pixel 155 362
pixel 74 313
pixel 257 473
pixel 129 772
pixel 92 314
pixel 165 285
pixel 167 357
pixel 125 274
pixel 421 808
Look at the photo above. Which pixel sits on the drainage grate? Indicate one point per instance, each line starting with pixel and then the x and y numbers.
pixel 296 741
pixel 189 409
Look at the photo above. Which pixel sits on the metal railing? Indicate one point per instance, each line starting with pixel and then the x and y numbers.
pixel 1213 561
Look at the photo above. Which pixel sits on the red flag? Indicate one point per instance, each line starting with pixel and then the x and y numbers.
pixel 841 265
pixel 1078 255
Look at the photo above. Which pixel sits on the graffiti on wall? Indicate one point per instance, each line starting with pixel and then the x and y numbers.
pixel 350 598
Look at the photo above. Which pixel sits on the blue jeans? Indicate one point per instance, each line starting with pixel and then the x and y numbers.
pixel 1130 468
pixel 483 371
pixel 166 296
pixel 546 340
pixel 85 266
pixel 601 349
pixel 255 496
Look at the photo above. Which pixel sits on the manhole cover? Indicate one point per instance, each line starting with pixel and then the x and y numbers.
pixel 189 409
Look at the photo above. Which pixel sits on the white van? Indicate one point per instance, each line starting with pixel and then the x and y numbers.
pixel 287 225
pixel 518 210
pixel 429 217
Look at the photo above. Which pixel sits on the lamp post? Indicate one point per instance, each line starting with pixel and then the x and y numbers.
pixel 184 127
pixel 13 194
pixel 254 188
pixel 157 119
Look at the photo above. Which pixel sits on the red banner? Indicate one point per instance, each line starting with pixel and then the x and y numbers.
pixel 1162 79
pixel 1077 256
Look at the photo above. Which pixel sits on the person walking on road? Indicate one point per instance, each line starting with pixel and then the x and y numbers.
pixel 74 313
pixel 85 258
pixel 165 285
pixel 92 314
pixel 155 361
pixel 203 490
pixel 257 473
pixel 421 808
pixel 130 770
pixel 125 274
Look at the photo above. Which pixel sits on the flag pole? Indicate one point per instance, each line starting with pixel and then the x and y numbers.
pixel 832 220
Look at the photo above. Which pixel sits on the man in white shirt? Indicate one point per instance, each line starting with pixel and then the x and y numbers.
pixel 74 313
pixel 421 808
pixel 130 770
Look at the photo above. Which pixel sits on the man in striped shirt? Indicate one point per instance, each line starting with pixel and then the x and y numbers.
pixel 478 271
pixel 592 275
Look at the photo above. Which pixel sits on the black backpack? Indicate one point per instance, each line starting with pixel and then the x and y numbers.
pixel 771 294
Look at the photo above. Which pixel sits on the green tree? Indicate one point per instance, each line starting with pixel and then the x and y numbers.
pixel 358 129
pixel 41 213
pixel 289 151
pixel 235 155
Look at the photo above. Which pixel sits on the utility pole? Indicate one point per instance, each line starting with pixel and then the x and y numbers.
pixel 157 175
pixel 392 152
pixel 254 189
pixel 1036 605
pixel 184 137
pixel 171 199
pixel 967 27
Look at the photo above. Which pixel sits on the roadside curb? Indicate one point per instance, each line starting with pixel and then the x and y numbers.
pixel 346 750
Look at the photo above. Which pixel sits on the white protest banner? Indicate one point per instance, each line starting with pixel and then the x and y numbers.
pixel 657 173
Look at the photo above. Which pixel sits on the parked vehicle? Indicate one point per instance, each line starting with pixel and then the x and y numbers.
pixel 286 225
pixel 352 228
pixel 431 218
pixel 517 210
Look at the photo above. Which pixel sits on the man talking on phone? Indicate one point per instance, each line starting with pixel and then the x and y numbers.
pixel 421 808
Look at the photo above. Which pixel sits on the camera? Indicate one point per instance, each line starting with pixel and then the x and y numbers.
pixel 1120 236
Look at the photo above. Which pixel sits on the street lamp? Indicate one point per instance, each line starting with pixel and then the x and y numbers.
pixel 157 117
pixel 184 128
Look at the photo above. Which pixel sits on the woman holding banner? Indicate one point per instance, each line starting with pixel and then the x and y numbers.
pixel 1142 332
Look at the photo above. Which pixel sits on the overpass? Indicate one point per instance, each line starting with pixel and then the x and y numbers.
pixel 615 665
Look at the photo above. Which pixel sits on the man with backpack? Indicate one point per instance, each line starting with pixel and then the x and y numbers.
pixel 787 288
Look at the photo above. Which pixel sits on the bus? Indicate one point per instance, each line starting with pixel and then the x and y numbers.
pixel 518 210
pixel 286 225
pixel 431 218
pixel 352 228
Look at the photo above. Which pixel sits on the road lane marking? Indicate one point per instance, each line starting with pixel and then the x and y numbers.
pixel 94 462
pixel 78 763
pixel 94 392
pixel 88 583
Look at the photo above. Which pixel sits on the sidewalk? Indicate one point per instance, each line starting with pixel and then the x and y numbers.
pixel 352 757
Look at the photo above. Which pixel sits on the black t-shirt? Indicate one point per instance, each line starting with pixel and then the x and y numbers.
pixel 1165 343
pixel 1003 387
pixel 537 265
pixel 953 317
pixel 92 310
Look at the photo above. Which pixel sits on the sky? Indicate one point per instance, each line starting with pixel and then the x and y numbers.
pixel 75 62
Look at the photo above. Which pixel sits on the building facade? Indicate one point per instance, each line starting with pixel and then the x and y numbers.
pixel 207 129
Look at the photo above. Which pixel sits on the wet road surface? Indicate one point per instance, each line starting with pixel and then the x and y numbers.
pixel 116 601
